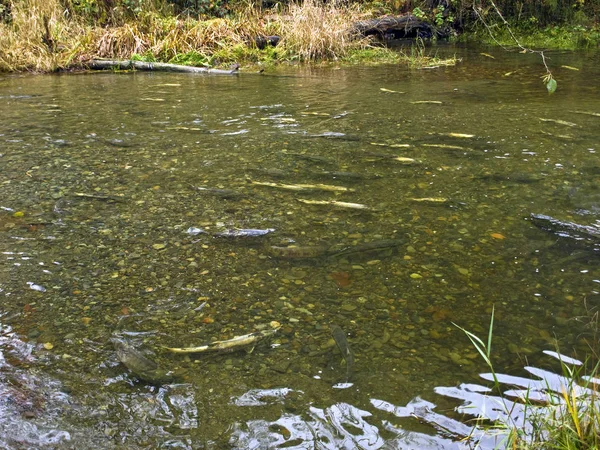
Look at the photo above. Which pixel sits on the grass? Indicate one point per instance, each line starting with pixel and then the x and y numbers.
pixel 568 420
pixel 558 37
pixel 41 37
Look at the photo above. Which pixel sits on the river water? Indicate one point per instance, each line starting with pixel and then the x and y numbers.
pixel 99 189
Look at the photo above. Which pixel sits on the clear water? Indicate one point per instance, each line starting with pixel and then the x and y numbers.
pixel 76 269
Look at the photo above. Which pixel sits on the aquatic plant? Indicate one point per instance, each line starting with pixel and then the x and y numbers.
pixel 555 412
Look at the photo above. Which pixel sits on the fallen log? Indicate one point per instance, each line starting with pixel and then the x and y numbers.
pixel 105 64
pixel 395 27
pixel 567 229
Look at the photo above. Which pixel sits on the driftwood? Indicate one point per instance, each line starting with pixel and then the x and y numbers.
pixel 104 64
pixel 399 27
pixel 567 229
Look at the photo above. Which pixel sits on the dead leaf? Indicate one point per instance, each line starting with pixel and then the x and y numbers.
pixel 342 279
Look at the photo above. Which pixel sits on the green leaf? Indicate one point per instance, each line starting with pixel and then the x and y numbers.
pixel 551 85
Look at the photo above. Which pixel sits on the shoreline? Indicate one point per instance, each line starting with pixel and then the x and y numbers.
pixel 46 41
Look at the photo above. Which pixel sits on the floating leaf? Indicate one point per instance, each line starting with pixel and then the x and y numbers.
pixel 569 67
pixel 48 346
pixel 551 85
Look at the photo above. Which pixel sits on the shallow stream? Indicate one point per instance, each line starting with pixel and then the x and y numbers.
pixel 99 188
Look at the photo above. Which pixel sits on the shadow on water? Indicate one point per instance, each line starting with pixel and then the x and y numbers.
pixel 188 211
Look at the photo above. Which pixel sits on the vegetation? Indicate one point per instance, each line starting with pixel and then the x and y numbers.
pixel 46 35
pixel 568 420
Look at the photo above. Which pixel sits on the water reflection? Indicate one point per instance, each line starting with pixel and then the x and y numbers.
pixel 340 426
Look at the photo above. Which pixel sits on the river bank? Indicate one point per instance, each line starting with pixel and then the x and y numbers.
pixel 45 37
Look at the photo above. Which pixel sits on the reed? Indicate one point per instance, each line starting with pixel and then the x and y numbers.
pixel 568 421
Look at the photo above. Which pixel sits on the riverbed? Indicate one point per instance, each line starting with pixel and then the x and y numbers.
pixel 116 187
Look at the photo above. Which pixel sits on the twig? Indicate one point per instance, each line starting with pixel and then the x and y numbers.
pixel 514 38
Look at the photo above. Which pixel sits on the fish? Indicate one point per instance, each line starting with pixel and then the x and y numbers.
pixel 334 135
pixel 404 159
pixel 244 232
pixel 487 55
pixel 292 252
pixel 382 244
pixel 106 198
pixel 314 113
pixel 461 135
pixel 226 194
pixel 185 128
pixel 570 68
pixel 303 187
pixel 450 147
pixel 561 136
pixel 339 336
pixel 589 113
pixel 422 102
pixel 433 200
pixel 194 231
pixel 373 157
pixel 143 368
pixel 390 91
pixel 515 177
pixel 383 144
pixel 334 203
pixel 346 175
pixel 560 122
pixel 246 341
pixel 312 158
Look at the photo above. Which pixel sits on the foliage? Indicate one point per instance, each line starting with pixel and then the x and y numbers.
pixel 49 35
pixel 563 37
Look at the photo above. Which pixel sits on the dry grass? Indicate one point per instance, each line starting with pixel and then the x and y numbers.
pixel 42 38
pixel 37 36
pixel 313 30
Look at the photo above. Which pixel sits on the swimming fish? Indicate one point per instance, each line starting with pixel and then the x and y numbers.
pixel 339 336
pixel 230 345
pixel 313 251
pixel 303 187
pixel 226 194
pixel 244 232
pixel 451 147
pixel 560 122
pixel 365 247
pixel 333 203
pixel 140 366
